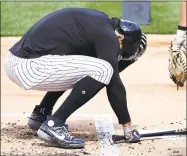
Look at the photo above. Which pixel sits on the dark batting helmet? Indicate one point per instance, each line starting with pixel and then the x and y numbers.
pixel 132 36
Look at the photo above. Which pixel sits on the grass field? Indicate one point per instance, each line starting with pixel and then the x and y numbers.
pixel 17 17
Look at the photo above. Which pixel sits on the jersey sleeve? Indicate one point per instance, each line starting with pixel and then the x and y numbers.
pixel 107 48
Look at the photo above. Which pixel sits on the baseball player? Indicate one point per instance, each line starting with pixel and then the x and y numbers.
pixel 80 49
pixel 177 51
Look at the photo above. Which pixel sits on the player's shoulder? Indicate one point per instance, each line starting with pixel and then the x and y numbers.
pixel 108 28
pixel 107 33
pixel 83 11
pixel 108 39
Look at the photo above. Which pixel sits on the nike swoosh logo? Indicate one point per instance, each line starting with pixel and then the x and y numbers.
pixel 60 137
pixel 136 134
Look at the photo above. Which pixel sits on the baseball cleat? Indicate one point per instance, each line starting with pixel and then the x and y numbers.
pixel 131 135
pixel 55 131
pixel 38 116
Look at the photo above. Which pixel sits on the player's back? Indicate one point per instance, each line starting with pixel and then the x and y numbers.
pixel 66 31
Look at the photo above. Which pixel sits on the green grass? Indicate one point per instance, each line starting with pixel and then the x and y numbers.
pixel 164 18
pixel 18 17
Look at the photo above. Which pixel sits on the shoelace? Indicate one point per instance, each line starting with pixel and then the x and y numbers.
pixel 62 131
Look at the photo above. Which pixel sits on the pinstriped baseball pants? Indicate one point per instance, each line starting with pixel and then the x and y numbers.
pixel 55 72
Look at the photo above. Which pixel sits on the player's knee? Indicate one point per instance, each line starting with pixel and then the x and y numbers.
pixel 107 71
pixel 103 72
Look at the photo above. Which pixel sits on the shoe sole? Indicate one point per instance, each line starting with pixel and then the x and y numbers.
pixel 45 137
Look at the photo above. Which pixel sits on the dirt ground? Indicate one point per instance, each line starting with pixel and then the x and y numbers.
pixel 153 101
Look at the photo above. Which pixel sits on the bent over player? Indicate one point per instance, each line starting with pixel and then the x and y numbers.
pixel 79 49
pixel 178 52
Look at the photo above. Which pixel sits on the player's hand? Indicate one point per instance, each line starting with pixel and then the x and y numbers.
pixel 131 134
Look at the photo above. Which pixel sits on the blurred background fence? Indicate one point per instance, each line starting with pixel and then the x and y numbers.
pixel 153 17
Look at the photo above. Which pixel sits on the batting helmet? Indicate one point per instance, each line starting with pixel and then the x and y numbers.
pixel 132 36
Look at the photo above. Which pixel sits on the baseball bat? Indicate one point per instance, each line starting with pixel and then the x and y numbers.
pixel 182 131
pixel 120 138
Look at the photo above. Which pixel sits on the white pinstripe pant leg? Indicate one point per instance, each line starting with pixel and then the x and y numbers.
pixel 56 73
pixel 11 63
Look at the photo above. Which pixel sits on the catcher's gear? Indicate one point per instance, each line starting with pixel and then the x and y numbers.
pixel 177 62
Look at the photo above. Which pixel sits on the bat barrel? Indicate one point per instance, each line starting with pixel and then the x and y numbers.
pixel 120 138
pixel 165 133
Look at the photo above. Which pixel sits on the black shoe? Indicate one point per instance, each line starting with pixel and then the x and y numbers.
pixel 131 135
pixel 54 131
pixel 38 116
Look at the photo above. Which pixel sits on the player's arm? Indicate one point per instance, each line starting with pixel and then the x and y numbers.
pixel 107 48
pixel 122 65
pixel 182 26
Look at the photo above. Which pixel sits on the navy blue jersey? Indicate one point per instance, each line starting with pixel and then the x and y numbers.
pixel 70 31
